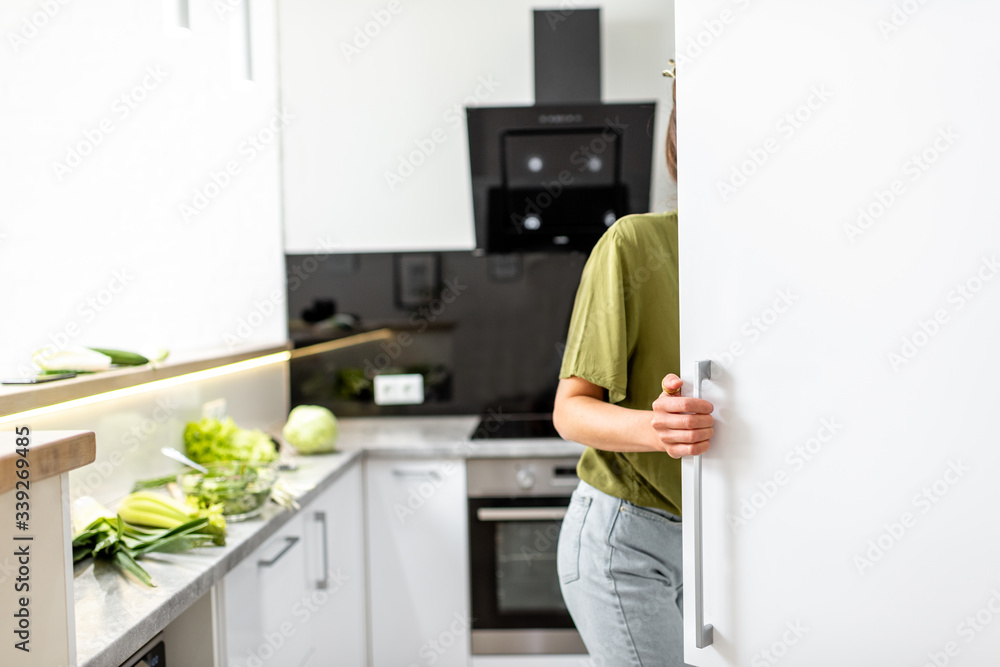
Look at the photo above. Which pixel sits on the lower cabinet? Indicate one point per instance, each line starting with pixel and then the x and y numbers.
pixel 261 596
pixel 418 563
pixel 299 599
pixel 335 555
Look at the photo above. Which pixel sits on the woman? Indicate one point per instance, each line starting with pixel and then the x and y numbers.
pixel 619 553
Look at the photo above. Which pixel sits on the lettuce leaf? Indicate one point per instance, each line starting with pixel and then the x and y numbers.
pixel 211 440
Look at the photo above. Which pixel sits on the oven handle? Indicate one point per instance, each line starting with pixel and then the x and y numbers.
pixel 520 513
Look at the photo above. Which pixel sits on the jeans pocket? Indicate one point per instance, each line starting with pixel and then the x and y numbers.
pixel 568 553
pixel 650 512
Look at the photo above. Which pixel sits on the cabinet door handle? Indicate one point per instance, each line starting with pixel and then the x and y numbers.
pixel 248 43
pixel 703 633
pixel 289 543
pixel 324 583
pixel 419 473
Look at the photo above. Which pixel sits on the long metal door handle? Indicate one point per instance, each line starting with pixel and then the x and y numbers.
pixel 703 632
pixel 417 473
pixel 324 583
pixel 289 543
pixel 521 513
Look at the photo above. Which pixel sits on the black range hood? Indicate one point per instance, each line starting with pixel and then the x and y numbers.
pixel 568 56
pixel 556 175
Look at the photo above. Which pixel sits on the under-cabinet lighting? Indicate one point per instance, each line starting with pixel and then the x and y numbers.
pixel 384 333
pixel 155 385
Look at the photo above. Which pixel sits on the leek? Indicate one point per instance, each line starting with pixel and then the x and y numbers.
pixel 111 537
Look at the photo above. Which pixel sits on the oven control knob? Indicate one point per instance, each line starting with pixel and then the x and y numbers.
pixel 525 478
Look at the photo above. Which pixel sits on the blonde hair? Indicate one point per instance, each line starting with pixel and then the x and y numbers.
pixel 672 138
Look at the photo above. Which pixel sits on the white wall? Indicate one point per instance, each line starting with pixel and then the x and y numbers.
pixel 101 254
pixel 364 103
pixel 133 428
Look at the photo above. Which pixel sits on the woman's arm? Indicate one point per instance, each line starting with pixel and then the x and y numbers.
pixel 677 425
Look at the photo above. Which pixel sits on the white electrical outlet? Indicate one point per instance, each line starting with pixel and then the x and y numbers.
pixel 405 389
pixel 214 409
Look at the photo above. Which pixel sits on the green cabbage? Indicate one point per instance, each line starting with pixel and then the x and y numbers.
pixel 211 440
pixel 311 429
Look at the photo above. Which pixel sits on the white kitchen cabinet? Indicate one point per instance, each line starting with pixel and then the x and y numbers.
pixel 265 603
pixel 335 555
pixel 299 599
pixel 417 546
pixel 155 158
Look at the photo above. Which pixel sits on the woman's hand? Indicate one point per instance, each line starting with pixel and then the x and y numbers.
pixel 682 424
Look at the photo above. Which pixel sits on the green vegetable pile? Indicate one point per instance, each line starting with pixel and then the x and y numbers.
pixel 211 440
pixel 167 528
pixel 311 429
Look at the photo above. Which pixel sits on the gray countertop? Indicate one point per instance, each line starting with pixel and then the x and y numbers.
pixel 116 616
pixel 440 437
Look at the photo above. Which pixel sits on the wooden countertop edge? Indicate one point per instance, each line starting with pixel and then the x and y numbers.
pixel 31 397
pixel 50 453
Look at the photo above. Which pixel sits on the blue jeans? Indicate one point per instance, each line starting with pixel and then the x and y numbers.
pixel 620 573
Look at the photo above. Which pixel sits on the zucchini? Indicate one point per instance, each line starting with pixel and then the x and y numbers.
pixel 122 357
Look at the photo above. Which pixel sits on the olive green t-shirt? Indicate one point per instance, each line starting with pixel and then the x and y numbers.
pixel 624 336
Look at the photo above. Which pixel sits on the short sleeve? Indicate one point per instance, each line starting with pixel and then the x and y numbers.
pixel 597 344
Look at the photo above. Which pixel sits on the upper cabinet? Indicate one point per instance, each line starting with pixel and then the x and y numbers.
pixel 376 156
pixel 144 168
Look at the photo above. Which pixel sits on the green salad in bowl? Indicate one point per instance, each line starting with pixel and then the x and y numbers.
pixel 241 488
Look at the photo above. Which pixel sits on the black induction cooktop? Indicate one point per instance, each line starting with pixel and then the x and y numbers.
pixel 512 427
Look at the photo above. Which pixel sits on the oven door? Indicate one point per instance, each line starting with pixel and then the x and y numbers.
pixel 517 607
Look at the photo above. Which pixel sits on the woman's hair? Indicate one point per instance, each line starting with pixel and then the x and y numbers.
pixel 672 138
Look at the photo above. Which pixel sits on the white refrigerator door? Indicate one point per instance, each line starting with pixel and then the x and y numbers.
pixel 839 204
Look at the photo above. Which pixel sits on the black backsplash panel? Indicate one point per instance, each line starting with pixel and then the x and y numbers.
pixel 488 333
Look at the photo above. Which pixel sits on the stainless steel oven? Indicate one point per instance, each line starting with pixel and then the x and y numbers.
pixel 516 507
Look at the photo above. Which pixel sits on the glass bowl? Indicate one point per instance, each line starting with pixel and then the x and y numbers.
pixel 241 488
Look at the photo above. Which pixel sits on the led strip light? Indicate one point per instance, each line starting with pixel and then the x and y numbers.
pixel 206 374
